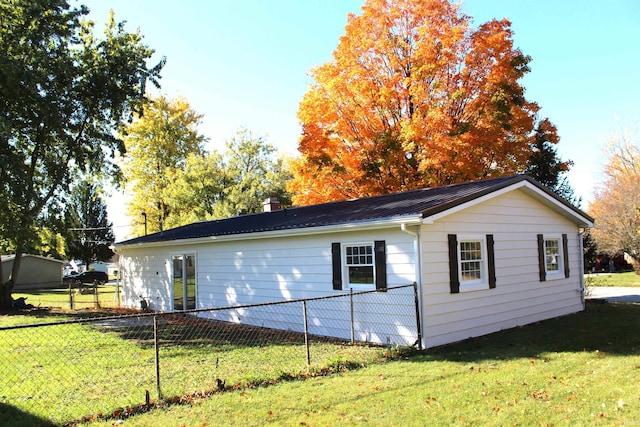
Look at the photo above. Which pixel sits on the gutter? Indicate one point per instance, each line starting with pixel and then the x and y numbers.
pixel 293 232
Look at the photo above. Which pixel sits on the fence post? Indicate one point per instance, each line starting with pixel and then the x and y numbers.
pixel 96 303
pixel 306 331
pixel 157 359
pixel 70 295
pixel 418 327
pixel 353 327
pixel 116 296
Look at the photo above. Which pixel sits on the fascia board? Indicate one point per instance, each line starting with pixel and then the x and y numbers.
pixel 308 231
pixel 529 189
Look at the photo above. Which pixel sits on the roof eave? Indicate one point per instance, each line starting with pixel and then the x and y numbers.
pixel 523 183
pixel 294 232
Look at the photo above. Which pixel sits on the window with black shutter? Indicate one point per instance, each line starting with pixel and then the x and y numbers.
pixel 553 256
pixel 359 265
pixel 472 264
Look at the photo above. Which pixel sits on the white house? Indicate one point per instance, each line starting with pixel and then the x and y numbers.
pixel 486 256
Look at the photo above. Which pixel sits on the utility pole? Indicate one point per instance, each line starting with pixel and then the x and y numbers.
pixel 144 214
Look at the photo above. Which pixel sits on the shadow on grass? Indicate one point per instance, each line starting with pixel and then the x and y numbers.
pixel 188 331
pixel 12 416
pixel 610 328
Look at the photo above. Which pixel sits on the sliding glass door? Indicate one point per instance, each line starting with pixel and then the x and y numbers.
pixel 184 282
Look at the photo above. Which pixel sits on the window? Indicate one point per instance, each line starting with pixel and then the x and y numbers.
pixel 359 265
pixel 553 256
pixel 471 263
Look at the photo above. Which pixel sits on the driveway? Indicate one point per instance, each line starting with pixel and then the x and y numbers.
pixel 613 294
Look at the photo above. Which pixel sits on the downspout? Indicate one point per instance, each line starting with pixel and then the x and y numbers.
pixel 581 263
pixel 417 248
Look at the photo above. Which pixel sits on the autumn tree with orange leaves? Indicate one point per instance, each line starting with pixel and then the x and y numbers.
pixel 616 204
pixel 413 97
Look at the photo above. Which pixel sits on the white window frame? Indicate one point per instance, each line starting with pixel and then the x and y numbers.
pixel 559 273
pixel 475 284
pixel 345 266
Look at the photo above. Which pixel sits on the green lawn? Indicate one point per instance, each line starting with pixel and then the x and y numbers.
pixel 576 370
pixel 579 370
pixel 66 371
pixel 630 279
pixel 60 298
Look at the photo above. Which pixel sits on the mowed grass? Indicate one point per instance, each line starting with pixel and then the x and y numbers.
pixel 578 370
pixel 67 371
pixel 627 280
pixel 60 297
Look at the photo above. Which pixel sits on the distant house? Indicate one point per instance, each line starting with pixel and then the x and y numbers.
pixel 110 267
pixel 486 256
pixel 35 271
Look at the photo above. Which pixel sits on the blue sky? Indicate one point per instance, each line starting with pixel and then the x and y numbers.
pixel 245 63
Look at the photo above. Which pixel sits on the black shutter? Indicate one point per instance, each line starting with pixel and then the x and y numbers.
pixel 454 280
pixel 565 250
pixel 491 262
pixel 337 266
pixel 381 264
pixel 541 262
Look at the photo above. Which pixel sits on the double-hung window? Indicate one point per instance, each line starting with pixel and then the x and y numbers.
pixel 471 263
pixel 360 266
pixel 553 256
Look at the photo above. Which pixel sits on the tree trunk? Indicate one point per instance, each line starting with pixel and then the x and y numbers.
pixel 6 302
pixel 16 266
pixel 6 288
pixel 3 295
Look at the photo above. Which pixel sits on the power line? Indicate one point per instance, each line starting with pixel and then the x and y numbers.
pixel 89 229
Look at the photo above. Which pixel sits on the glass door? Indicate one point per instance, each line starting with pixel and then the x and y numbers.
pixel 184 282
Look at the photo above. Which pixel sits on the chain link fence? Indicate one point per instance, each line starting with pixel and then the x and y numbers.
pixel 69 296
pixel 106 367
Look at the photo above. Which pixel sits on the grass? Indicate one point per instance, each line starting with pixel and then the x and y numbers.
pixel 577 370
pixel 60 297
pixel 67 371
pixel 630 279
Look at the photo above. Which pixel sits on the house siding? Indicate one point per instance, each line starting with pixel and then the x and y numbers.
pixel 35 272
pixel 232 273
pixel 515 220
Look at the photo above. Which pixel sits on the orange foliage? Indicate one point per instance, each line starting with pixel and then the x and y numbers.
pixel 413 97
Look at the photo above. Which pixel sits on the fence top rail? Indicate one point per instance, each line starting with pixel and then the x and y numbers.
pixel 199 310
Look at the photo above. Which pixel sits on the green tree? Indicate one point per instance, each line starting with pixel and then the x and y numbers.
pixel 221 185
pixel 252 173
pixel 195 189
pixel 589 251
pixel 158 143
pixel 90 233
pixel 544 164
pixel 63 94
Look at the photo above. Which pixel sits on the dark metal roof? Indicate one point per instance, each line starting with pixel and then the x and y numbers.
pixel 424 203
